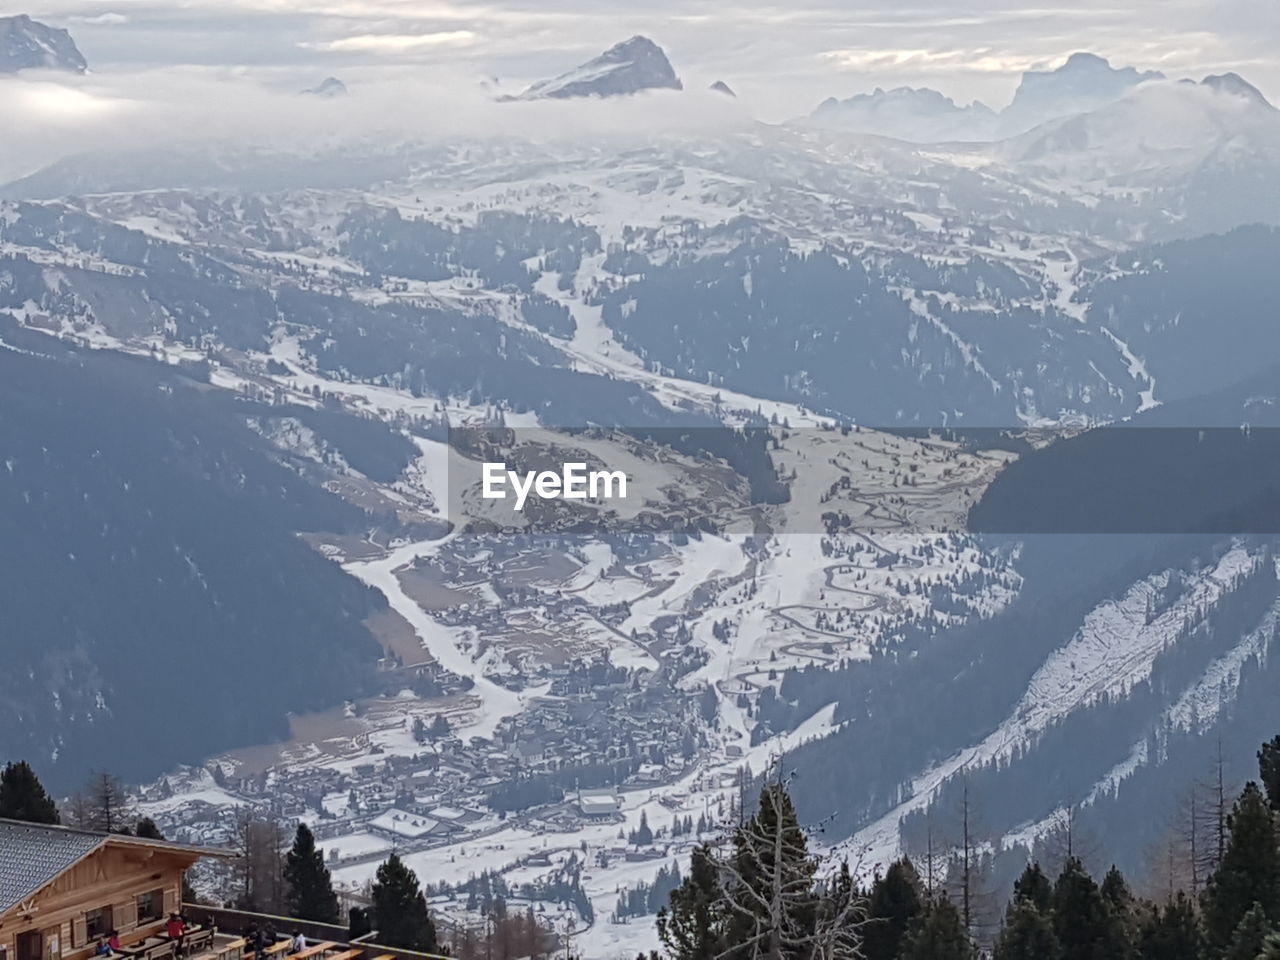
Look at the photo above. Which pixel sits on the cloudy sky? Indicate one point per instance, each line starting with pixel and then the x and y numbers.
pixel 782 58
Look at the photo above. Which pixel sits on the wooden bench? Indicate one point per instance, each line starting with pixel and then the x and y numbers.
pixel 386 956
pixel 153 948
pixel 200 939
pixel 347 955
pixel 314 950
pixel 276 949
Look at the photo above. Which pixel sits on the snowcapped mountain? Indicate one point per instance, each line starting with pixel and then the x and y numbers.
pixel 919 115
pixel 1206 153
pixel 1085 82
pixel 625 68
pixel 27 44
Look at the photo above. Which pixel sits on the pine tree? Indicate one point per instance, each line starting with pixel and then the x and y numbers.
pixel 1271 949
pixel 399 910
pixel 1249 936
pixel 1122 924
pixel 1081 919
pixel 1171 932
pixel 309 888
pixel 768 882
pixel 642 836
pixel 1115 891
pixel 440 727
pixel 147 829
pixel 937 933
pixel 894 901
pixel 692 928
pixel 1027 935
pixel 1249 872
pixel 1035 888
pixel 1269 770
pixel 23 797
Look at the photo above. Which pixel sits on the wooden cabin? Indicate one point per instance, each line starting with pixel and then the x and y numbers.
pixel 62 889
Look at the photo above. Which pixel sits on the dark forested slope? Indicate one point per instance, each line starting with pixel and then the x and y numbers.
pixel 158 604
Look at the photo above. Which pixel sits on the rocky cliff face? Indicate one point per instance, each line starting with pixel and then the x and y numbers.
pixel 27 44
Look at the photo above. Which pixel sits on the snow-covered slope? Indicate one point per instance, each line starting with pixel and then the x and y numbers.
pixel 1152 138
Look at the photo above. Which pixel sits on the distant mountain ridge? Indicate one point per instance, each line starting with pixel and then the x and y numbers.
pixel 908 113
pixel 27 44
pixel 1084 82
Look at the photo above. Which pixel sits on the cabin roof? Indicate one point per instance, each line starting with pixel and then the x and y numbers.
pixel 32 855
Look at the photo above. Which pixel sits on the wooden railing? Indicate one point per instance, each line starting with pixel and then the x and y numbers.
pixel 327 937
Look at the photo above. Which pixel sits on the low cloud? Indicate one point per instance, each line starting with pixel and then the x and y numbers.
pixel 99 19
pixel 394 43
pixel 50 116
pixel 983 60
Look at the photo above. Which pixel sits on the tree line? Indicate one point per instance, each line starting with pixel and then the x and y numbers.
pixel 762 895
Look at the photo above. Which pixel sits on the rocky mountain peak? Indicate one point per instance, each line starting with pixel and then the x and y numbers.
pixel 27 44
pixel 1085 81
pixel 625 68
pixel 1235 84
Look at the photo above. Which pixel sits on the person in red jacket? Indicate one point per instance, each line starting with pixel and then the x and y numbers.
pixel 175 928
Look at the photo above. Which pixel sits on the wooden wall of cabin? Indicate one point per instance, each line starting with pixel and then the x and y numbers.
pixel 115 877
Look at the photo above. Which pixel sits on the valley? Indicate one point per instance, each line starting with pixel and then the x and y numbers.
pixel 817 350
